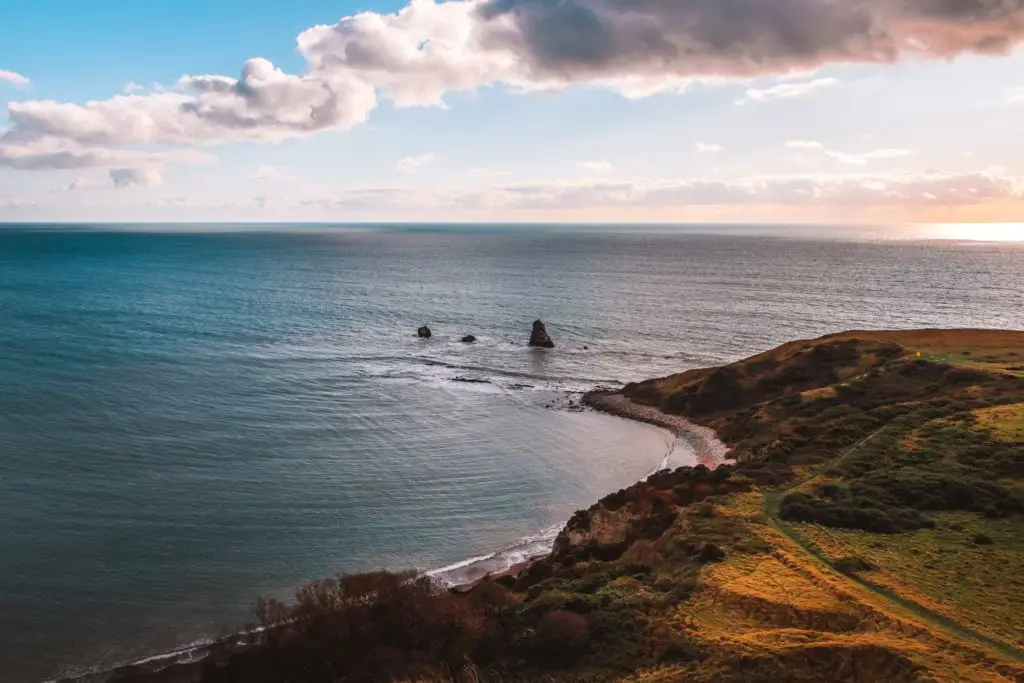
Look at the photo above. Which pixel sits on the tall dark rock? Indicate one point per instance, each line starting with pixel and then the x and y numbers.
pixel 539 337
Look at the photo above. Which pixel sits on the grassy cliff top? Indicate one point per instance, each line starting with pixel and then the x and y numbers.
pixel 825 360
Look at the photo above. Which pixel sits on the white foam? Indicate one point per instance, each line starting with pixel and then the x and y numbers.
pixel 500 560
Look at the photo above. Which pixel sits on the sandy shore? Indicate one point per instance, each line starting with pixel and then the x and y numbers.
pixel 710 451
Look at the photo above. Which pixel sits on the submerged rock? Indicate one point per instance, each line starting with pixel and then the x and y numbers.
pixel 469 339
pixel 539 337
pixel 424 332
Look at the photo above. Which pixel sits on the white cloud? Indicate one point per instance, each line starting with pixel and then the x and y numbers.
pixel 132 87
pixel 844 157
pixel 264 103
pixel 48 154
pixel 135 177
pixel 15 202
pixel 14 78
pixel 804 144
pixel 414 164
pixel 85 182
pixel 708 148
pixel 785 91
pixel 865 157
pixel 884 190
pixel 272 173
pixel 596 167
pixel 1014 95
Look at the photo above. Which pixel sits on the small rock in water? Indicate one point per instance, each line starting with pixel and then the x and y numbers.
pixel 469 339
pixel 424 332
pixel 471 380
pixel 539 337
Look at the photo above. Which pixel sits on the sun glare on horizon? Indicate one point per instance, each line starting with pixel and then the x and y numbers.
pixel 978 232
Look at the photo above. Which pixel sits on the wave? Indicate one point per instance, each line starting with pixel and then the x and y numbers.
pixel 474 568
pixel 528 547
pixel 499 380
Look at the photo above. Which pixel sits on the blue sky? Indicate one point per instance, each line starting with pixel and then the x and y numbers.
pixel 511 110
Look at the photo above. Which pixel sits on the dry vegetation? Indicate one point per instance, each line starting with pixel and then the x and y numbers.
pixel 872 530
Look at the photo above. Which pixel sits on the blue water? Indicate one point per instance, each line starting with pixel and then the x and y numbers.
pixel 189 420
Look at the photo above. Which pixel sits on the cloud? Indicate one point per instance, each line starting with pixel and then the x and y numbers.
pixel 48 154
pixel 785 91
pixel 9 202
pixel 264 103
pixel 844 157
pixel 853 191
pixel 1014 95
pixel 708 148
pixel 595 167
pixel 135 177
pixel 804 144
pixel 85 183
pixel 417 55
pixel 414 164
pixel 14 78
pixel 273 173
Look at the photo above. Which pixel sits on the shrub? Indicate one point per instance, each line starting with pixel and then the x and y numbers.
pixel 678 649
pixel 852 513
pixel 852 565
pixel 562 633
pixel 982 539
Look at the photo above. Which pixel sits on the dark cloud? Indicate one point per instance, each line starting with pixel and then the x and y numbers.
pixel 742 37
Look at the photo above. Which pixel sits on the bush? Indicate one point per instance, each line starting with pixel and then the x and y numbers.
pixel 678 649
pixel 562 633
pixel 982 539
pixel 852 513
pixel 852 565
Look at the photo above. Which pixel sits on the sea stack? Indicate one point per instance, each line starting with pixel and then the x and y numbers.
pixel 539 338
pixel 424 332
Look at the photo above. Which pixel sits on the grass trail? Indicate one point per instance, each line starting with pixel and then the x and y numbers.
pixel 772 501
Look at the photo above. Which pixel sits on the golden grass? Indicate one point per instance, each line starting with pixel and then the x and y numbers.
pixel 1001 350
pixel 790 609
pixel 1006 422
pixel 823 392
pixel 942 569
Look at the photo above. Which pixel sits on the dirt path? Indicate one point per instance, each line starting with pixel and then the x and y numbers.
pixel 772 501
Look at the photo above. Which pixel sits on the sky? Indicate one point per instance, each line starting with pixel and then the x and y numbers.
pixel 867 111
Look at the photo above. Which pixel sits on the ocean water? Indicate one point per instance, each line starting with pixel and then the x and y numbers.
pixel 192 419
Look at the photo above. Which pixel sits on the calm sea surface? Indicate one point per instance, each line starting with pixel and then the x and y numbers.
pixel 190 420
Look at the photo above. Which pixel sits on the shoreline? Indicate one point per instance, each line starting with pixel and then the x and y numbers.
pixel 183 664
pixel 707 447
pixel 710 451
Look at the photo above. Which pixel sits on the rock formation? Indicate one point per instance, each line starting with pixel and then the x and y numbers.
pixel 469 339
pixel 540 337
pixel 424 332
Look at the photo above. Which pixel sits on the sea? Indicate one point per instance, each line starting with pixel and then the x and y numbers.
pixel 192 416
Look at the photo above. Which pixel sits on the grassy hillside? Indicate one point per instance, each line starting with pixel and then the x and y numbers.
pixel 872 529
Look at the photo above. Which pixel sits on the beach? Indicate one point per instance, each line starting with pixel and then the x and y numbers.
pixel 709 451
